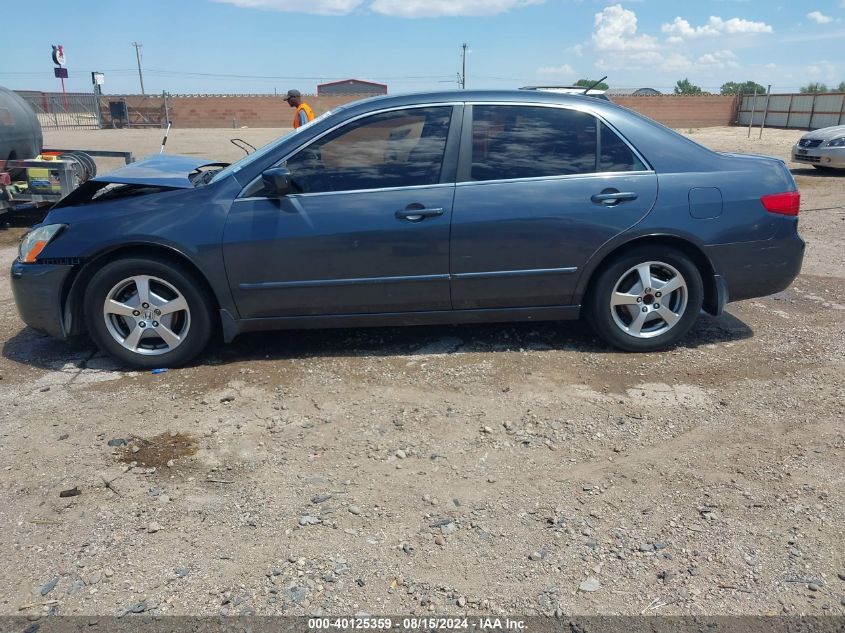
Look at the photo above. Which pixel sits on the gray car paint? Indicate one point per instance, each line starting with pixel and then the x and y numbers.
pixel 159 170
pixel 260 248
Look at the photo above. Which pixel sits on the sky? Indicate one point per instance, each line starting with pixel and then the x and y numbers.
pixel 267 46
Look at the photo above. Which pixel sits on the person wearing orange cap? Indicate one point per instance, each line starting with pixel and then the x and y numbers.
pixel 304 113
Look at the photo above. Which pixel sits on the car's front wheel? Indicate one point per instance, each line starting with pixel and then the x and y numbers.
pixel 148 313
pixel 646 299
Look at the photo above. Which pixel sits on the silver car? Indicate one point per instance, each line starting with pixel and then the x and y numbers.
pixel 823 148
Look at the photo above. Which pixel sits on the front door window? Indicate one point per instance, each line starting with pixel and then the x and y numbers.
pixel 401 148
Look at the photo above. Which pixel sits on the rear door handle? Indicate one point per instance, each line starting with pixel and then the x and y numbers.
pixel 417 212
pixel 611 197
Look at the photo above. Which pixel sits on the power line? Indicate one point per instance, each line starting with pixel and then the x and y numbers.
pixel 289 77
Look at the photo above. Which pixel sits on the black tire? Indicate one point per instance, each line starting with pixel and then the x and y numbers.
pixel 608 321
pixel 195 324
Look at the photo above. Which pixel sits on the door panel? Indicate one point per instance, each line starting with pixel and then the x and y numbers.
pixel 339 253
pixel 368 231
pixel 519 244
pixel 534 203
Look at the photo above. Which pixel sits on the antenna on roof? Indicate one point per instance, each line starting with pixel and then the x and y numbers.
pixel 164 140
pixel 594 85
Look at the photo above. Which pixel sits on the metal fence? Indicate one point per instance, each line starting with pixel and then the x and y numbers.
pixel 135 110
pixel 801 111
pixel 72 111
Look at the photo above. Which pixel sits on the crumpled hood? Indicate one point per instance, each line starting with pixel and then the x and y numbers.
pixel 159 170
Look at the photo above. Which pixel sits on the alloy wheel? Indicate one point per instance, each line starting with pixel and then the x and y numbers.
pixel 649 299
pixel 147 315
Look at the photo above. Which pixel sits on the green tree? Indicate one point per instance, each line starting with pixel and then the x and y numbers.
pixel 686 87
pixel 745 88
pixel 814 87
pixel 586 83
pixel 841 87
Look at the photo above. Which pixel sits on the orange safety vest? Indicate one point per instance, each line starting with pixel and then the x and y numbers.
pixel 308 111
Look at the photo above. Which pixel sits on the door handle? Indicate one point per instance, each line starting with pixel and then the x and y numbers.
pixel 612 197
pixel 417 212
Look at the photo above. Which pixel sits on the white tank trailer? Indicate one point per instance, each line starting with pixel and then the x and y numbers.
pixel 20 132
pixel 33 177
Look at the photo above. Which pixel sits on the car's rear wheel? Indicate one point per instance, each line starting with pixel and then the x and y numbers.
pixel 646 299
pixel 148 313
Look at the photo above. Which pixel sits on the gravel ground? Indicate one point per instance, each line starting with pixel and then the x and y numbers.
pixel 478 469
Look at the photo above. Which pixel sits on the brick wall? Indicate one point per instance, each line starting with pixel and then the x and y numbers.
pixel 216 111
pixel 679 111
pixel 235 111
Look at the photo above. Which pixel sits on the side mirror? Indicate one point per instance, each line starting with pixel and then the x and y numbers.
pixel 277 182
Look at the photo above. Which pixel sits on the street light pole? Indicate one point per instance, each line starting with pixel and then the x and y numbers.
pixel 464 67
pixel 138 46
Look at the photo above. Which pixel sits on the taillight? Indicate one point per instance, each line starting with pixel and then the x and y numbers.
pixel 786 203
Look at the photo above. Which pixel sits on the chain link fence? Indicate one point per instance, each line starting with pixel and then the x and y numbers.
pixel 72 111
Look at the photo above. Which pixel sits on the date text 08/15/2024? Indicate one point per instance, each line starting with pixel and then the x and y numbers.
pixel 415 623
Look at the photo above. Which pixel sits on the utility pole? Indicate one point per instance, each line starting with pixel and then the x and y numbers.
pixel 138 46
pixel 464 67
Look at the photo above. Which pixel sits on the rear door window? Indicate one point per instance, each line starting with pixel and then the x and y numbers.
pixel 510 142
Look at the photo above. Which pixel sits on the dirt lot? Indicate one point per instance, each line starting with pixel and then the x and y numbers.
pixel 501 469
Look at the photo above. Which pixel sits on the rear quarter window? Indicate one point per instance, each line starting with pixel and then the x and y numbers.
pixel 615 155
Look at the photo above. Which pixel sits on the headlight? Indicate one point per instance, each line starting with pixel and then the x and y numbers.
pixel 837 142
pixel 36 240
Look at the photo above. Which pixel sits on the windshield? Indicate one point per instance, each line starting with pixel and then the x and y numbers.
pixel 266 149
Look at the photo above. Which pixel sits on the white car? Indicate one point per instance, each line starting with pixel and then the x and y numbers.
pixel 823 148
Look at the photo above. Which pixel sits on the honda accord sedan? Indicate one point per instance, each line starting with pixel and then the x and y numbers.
pixel 452 207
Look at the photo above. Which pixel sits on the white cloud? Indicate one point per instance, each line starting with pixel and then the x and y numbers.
pixel 822 70
pixel 578 49
pixel 438 8
pixel 556 71
pixel 738 25
pixel 820 18
pixel 616 30
pixel 718 59
pixel 676 62
pixel 397 8
pixel 319 7
pixel 680 29
pixel 636 60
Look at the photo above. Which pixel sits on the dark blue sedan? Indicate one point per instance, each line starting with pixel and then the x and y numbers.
pixel 455 207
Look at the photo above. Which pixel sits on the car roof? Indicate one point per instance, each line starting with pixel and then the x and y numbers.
pixel 482 96
pixel 573 89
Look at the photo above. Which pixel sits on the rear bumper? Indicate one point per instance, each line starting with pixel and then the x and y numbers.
pixel 758 269
pixel 37 289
